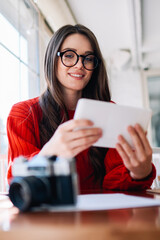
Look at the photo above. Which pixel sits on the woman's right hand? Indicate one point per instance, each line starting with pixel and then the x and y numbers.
pixel 71 138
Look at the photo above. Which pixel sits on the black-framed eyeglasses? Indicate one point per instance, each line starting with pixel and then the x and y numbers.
pixel 70 58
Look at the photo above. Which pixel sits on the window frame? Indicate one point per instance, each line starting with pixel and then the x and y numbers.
pixel 42 28
pixel 146 102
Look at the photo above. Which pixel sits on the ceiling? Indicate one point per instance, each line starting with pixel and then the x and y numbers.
pixel 127 30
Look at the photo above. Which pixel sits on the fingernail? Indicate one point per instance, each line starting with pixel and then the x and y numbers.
pixel 130 128
pixel 90 122
pixel 119 137
pixel 100 130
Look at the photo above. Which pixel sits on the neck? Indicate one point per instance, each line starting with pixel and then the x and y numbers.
pixel 71 99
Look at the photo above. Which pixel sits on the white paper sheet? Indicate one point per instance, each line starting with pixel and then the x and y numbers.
pixel 91 202
pixel 113 119
pixel 113 201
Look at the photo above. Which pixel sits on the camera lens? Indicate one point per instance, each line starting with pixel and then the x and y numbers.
pixel 29 191
pixel 20 194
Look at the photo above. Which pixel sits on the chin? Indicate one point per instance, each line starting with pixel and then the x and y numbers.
pixel 77 88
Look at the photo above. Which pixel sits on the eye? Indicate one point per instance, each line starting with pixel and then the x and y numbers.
pixel 89 59
pixel 69 55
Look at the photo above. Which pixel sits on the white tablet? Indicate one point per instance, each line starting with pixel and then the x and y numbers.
pixel 112 118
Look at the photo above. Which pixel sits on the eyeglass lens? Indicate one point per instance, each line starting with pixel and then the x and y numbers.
pixel 70 59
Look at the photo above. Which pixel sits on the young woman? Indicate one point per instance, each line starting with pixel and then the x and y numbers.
pixel 74 68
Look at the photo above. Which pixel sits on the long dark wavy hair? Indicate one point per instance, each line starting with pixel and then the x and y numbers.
pixel 52 102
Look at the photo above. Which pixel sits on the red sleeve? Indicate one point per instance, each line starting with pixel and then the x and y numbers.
pixel 117 175
pixel 23 134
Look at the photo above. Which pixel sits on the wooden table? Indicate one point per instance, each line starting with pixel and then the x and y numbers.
pixel 123 224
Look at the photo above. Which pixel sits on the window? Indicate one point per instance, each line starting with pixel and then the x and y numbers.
pixel 19 63
pixel 154 102
pixel 151 99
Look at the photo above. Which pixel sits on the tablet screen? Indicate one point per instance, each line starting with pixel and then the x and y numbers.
pixel 112 118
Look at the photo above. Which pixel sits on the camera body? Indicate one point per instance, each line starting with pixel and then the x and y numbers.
pixel 43 180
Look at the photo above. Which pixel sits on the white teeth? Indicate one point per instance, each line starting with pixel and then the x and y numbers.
pixel 76 75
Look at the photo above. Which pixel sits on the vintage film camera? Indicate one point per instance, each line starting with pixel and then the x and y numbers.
pixel 43 180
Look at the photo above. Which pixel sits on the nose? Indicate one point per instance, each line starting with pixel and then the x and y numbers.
pixel 79 64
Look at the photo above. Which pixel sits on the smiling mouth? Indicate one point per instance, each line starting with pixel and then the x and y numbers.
pixel 76 75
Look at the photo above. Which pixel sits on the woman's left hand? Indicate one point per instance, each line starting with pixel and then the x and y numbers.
pixel 137 160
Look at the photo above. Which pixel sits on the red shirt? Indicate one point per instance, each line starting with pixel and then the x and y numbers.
pixel 24 139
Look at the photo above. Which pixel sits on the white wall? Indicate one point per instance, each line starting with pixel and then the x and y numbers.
pixel 126 87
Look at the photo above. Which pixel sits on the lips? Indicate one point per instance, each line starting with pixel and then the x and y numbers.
pixel 76 75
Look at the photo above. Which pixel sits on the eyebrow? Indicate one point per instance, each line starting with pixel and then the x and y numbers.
pixel 86 52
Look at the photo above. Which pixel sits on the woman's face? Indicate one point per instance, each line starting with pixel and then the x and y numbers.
pixel 74 78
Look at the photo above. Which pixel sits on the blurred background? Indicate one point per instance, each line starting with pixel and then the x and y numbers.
pixel 129 36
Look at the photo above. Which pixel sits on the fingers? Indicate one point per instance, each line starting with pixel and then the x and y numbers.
pixel 83 133
pixel 73 124
pixel 126 153
pixel 77 150
pixel 72 148
pixel 67 131
pixel 137 160
pixel 83 140
pixel 144 139
pixel 74 136
pixel 140 141
pixel 137 142
pixel 89 140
